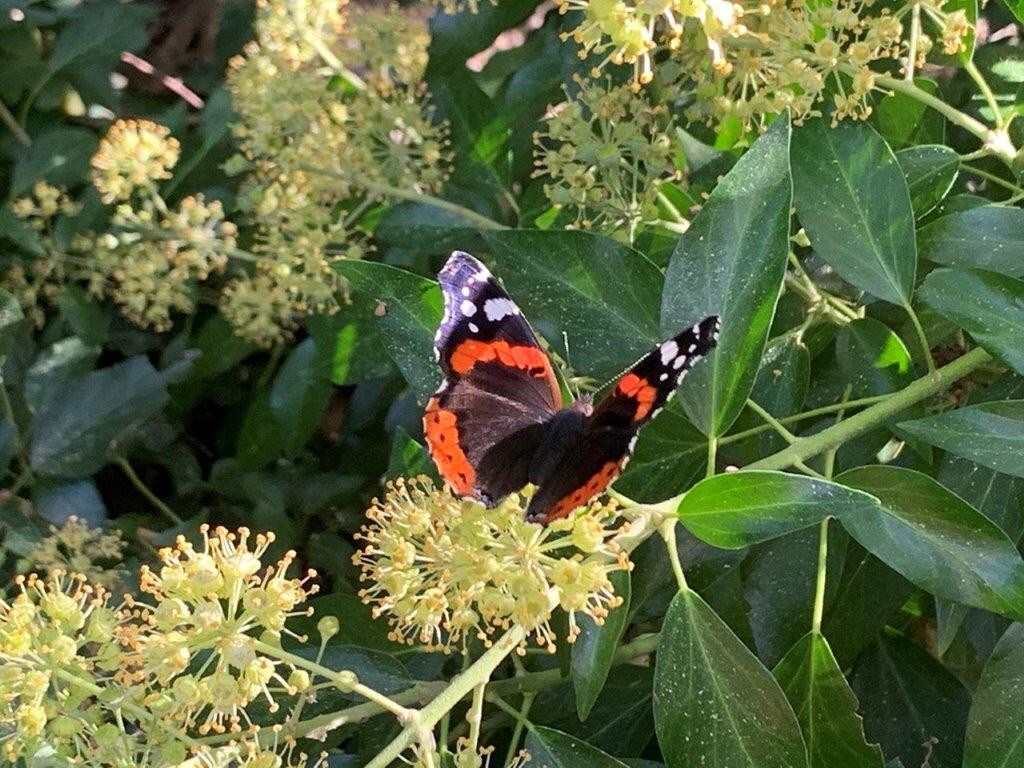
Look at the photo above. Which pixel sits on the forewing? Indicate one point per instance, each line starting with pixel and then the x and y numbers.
pixel 606 443
pixel 485 423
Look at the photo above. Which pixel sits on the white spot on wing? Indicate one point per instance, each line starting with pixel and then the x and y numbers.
pixel 468 308
pixel 692 348
pixel 663 377
pixel 465 290
pixel 668 351
pixel 474 328
pixel 680 362
pixel 496 309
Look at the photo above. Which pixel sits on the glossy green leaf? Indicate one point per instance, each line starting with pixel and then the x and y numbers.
pixel 873 359
pixel 740 508
pixel 620 722
pixel 989 434
pixel 987 305
pixel 868 594
pixel 1016 8
pixel 300 393
pixel 904 121
pixel 825 707
pixel 936 540
pixel 409 458
pixel 600 293
pixel 260 438
pixel 670 456
pixel 779 583
pixel 55 365
pixel 731 262
pixel 594 650
pixel 987 237
pixel 83 314
pixel 995 724
pixel 930 170
pixel 852 199
pixel 60 156
pixel 408 310
pixel 56 501
pixel 715 704
pixel 911 705
pixel 82 419
pixel 427 228
pixel 549 748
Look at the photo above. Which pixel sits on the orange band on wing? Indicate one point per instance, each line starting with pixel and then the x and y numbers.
pixel 608 472
pixel 473 351
pixel 638 389
pixel 442 433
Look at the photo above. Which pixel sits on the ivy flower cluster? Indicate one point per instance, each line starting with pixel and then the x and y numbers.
pixel 36 281
pixel 333 115
pixel 75 547
pixel 747 60
pixel 132 157
pixel 444 570
pixel 219 606
pixel 605 153
pixel 97 684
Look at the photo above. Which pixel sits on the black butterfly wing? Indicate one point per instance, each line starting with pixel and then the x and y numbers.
pixel 486 421
pixel 599 453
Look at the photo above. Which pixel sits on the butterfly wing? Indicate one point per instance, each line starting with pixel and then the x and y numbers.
pixel 604 445
pixel 485 423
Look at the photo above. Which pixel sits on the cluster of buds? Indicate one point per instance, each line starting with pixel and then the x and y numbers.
pixel 604 154
pixel 133 157
pixel 75 547
pixel 444 570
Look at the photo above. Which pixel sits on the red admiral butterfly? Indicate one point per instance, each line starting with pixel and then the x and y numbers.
pixel 497 421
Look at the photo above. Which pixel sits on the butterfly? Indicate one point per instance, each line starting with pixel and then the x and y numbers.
pixel 498 422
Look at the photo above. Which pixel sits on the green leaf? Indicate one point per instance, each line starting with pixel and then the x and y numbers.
pixel 351 339
pixel 904 121
pixel 11 318
pixel 670 456
pixel 780 388
pixel 853 200
pixel 931 170
pixel 219 349
pixel 66 359
pixel 996 719
pixel 936 540
pixel 83 314
pixel 594 649
pixel 600 293
pixel 714 703
pixel 60 156
pixel 77 427
pixel 825 707
pixel 779 583
pixel 260 437
pixel 873 359
pixel 456 37
pixel 731 262
pixel 868 595
pixel 300 393
pixel 911 705
pixel 1016 8
pixel 408 458
pixel 99 30
pixel 987 237
pixel 426 228
pixel 741 508
pixel 407 308
pixel 59 500
pixel 549 748
pixel 989 434
pixel 987 305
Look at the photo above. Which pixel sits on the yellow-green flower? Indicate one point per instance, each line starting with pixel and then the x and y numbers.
pixel 134 155
pixel 443 570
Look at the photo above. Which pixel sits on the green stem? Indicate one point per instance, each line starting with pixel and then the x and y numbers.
pixel 407 194
pixel 151 497
pixel 712 456
pixel 13 126
pixel 517 731
pixel 385 703
pixel 972 69
pixel 772 422
pixel 668 532
pixel 915 33
pixel 819 587
pixel 994 141
pixel 921 337
pixel 822 411
pixel 812 445
pixel 426 718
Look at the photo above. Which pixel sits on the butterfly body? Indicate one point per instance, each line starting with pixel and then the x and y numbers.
pixel 498 421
